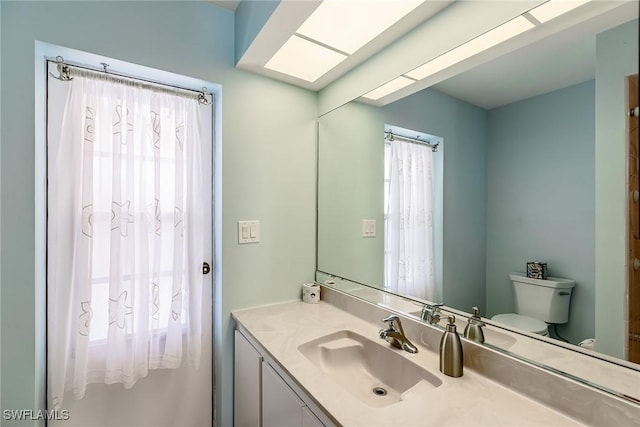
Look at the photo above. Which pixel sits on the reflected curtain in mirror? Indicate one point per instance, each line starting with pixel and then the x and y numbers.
pixel 409 244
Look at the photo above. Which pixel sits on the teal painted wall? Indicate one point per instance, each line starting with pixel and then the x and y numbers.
pixel 616 58
pixel 350 189
pixel 540 189
pixel 268 173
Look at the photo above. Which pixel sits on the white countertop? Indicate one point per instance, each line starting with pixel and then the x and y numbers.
pixel 472 400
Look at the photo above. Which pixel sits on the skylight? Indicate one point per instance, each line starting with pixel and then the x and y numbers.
pixel 474 46
pixel 387 88
pixel 554 8
pixel 304 59
pixel 348 25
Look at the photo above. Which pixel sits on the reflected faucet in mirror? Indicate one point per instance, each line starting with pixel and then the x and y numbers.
pixel 431 313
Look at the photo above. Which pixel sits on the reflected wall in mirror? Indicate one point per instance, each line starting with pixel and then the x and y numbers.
pixel 519 180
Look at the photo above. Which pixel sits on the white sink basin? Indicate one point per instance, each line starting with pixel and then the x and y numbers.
pixel 373 372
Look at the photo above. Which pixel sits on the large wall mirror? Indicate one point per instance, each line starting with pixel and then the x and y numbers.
pixel 520 174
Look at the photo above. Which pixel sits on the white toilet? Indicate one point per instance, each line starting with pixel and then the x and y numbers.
pixel 538 301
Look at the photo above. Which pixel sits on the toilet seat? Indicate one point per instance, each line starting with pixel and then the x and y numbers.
pixel 528 324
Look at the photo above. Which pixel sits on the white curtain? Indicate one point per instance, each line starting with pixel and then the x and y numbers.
pixel 409 245
pixel 125 236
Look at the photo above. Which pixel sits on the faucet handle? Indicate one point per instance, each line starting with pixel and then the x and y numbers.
pixel 435 307
pixel 391 318
pixel 394 323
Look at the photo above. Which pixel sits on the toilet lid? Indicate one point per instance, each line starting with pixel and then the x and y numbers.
pixel 525 323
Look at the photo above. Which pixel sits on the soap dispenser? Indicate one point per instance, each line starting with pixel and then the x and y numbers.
pixel 473 330
pixel 451 351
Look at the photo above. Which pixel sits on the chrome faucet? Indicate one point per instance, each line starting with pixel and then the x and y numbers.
pixel 394 334
pixel 431 313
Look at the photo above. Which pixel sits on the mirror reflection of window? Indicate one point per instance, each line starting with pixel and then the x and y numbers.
pixel 409 201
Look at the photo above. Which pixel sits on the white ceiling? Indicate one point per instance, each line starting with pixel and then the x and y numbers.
pixel 552 61
pixel 534 70
pixel 555 62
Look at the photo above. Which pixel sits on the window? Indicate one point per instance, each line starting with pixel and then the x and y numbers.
pixel 129 222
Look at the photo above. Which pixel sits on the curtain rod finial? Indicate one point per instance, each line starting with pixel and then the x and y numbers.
pixel 64 72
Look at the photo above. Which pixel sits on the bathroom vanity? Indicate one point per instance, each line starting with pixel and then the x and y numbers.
pixel 264 394
pixel 325 364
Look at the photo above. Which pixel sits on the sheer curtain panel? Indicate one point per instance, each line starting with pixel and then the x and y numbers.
pixel 125 236
pixel 409 245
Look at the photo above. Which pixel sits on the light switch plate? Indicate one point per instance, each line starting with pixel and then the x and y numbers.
pixel 368 228
pixel 248 231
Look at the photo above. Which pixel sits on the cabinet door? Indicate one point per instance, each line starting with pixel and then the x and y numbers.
pixel 281 407
pixel 246 391
pixel 309 419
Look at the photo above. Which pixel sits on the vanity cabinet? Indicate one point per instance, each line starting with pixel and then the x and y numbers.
pixel 265 396
pixel 246 390
pixel 309 419
pixel 281 407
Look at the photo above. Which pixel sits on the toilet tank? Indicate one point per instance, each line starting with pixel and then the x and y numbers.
pixel 547 300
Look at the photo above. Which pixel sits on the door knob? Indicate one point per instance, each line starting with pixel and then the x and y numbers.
pixel 636 264
pixel 206 268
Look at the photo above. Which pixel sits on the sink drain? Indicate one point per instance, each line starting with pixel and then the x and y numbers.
pixel 379 391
